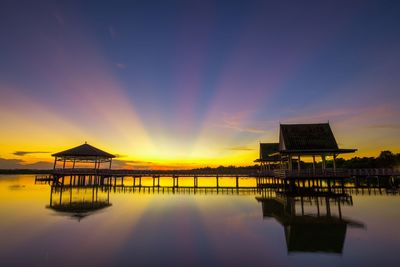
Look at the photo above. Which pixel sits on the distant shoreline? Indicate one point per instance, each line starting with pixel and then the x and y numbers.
pixel 386 159
pixel 24 171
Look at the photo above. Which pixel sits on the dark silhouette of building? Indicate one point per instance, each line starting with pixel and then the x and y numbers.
pixel 85 154
pixel 266 161
pixel 303 140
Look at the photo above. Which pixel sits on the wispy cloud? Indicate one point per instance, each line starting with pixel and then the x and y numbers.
pixel 138 162
pixel 235 122
pixel 240 148
pixel 112 32
pixel 60 19
pixel 120 66
pixel 384 126
pixel 20 164
pixel 24 153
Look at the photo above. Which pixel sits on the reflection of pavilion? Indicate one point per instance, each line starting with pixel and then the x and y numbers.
pixel 78 202
pixel 313 228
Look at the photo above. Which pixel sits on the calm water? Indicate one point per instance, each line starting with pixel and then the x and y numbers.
pixel 155 229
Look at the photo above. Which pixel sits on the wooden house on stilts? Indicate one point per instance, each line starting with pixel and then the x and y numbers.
pixel 300 141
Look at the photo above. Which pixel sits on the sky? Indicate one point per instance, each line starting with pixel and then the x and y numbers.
pixel 182 84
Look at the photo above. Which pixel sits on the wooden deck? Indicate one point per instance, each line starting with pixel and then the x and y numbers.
pixel 330 173
pixel 278 173
pixel 271 179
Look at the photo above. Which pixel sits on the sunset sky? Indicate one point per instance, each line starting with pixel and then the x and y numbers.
pixel 181 84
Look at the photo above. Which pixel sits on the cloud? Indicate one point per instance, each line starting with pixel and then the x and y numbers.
pixel 120 66
pixel 235 122
pixel 60 20
pixel 20 164
pixel 240 148
pixel 112 32
pixel 130 164
pixel 384 126
pixel 24 153
pixel 138 162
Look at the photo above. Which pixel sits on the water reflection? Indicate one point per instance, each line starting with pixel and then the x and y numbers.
pixel 313 228
pixel 78 202
pixel 210 226
pixel 311 217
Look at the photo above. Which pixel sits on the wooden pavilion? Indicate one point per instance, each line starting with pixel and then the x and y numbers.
pixel 297 141
pixel 85 154
pixel 265 160
pixel 312 140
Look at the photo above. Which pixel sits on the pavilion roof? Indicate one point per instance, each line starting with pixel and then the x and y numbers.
pixel 84 151
pixel 266 149
pixel 317 136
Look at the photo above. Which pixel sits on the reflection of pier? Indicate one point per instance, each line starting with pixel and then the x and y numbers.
pixel 228 185
pixel 78 202
pixel 317 226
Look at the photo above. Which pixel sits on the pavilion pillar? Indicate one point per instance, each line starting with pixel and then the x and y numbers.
pixel 55 163
pixel 323 163
pixel 73 164
pixel 110 164
pixel 313 164
pixel 298 163
pixel 64 164
pixel 290 163
pixel 334 164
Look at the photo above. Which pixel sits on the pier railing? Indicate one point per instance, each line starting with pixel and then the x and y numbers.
pixel 374 172
pixel 183 173
pixel 310 173
pixel 277 173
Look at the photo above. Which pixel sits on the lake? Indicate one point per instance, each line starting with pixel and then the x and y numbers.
pixel 45 226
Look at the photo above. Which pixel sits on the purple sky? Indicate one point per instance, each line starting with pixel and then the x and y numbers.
pixel 194 83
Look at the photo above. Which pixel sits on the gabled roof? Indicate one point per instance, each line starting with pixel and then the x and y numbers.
pixel 307 137
pixel 84 150
pixel 266 149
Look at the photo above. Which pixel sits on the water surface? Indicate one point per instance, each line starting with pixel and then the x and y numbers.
pixel 204 229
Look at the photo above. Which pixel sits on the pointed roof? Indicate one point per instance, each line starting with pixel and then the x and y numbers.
pixel 308 138
pixel 266 149
pixel 84 150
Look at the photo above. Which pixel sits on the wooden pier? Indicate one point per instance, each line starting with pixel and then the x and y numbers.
pixel 66 171
pixel 148 180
